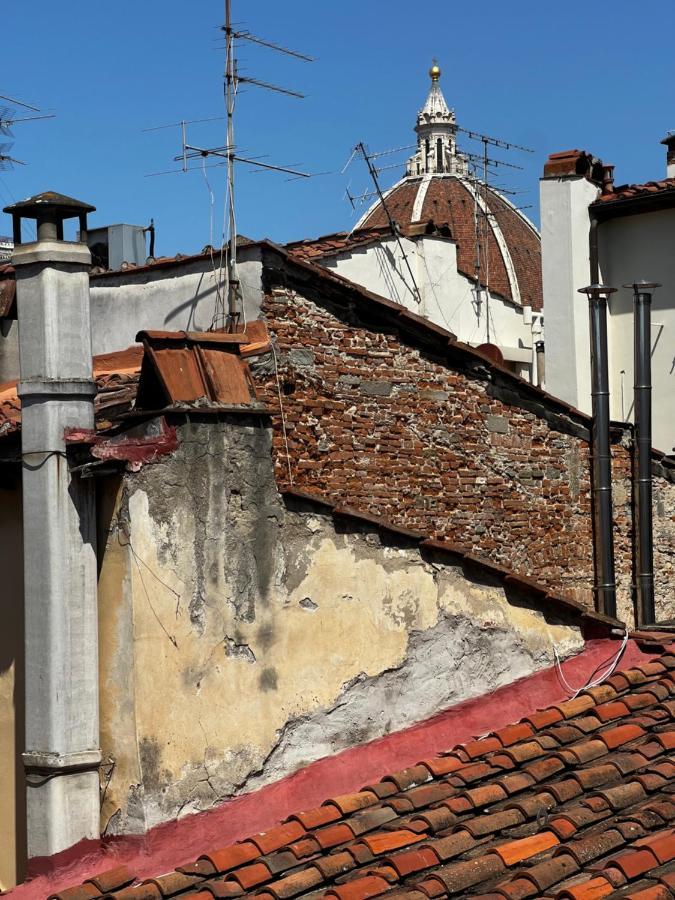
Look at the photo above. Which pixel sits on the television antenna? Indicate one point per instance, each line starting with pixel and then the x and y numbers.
pixel 229 154
pixel 8 119
pixel 360 150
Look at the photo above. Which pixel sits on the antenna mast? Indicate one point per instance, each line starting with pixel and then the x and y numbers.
pixel 228 312
pixel 8 119
pixel 230 94
pixel 360 148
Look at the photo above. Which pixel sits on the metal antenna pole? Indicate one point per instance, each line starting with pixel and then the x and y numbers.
pixel 394 230
pixel 230 91
pixel 486 239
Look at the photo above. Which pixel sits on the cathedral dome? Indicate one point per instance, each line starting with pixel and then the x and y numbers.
pixel 496 244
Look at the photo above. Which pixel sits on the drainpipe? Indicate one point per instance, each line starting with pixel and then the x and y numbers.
pixel 57 391
pixel 541 364
pixel 642 301
pixel 605 581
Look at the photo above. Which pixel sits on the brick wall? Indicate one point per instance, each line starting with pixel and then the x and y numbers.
pixel 408 433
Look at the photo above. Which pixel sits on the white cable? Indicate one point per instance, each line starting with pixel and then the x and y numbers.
pixel 283 417
pixel 593 682
pixel 216 276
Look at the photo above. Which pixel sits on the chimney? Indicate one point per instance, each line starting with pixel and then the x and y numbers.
pixel 57 390
pixel 642 302
pixel 571 182
pixel 605 580
pixel 607 180
pixel 669 141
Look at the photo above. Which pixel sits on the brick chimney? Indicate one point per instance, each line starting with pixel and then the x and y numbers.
pixel 57 390
pixel 669 141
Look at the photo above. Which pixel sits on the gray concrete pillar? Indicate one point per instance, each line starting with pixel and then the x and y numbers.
pixel 57 390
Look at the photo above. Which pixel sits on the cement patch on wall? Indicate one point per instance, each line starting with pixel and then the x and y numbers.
pixel 263 638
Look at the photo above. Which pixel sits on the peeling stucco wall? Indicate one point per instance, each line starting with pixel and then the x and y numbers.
pixel 242 638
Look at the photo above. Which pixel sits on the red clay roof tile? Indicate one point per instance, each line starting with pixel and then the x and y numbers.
pixel 251 876
pixel 230 857
pixel 349 803
pixel 360 888
pixel 386 841
pixel 516 851
pixel 589 889
pixel 634 862
pixel 409 861
pixel 622 734
pixel 603 805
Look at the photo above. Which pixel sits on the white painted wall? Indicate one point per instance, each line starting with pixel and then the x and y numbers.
pixel 565 268
pixel 184 298
pixel 448 298
pixel 634 248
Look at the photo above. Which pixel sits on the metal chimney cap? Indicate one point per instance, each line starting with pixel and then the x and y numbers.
pixel 643 285
pixel 597 290
pixel 35 207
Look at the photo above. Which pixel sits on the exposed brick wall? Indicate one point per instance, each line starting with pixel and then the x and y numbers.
pixel 376 423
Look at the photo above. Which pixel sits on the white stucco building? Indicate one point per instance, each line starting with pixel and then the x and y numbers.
pixel 448 247
pixel 594 231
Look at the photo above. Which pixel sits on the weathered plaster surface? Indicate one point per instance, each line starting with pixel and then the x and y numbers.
pixel 241 640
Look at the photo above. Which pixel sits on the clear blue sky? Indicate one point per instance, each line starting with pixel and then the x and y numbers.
pixel 550 76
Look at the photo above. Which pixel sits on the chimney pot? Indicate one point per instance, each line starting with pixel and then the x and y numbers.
pixel 49 210
pixel 607 179
pixel 669 141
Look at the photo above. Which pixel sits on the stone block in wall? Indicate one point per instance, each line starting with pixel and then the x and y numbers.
pixel 497 424
pixel 376 388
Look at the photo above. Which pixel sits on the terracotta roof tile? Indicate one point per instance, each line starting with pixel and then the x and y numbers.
pixel 349 803
pixel 588 889
pixel 630 191
pixel 230 857
pixel 360 888
pixel 533 810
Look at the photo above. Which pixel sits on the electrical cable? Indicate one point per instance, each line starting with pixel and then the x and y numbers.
pixel 594 682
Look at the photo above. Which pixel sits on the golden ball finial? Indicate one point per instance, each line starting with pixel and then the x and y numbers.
pixel 435 72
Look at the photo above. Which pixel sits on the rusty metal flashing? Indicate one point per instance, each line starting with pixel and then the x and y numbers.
pixel 193 367
pixel 523 584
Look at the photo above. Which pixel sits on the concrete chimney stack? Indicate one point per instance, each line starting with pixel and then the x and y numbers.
pixel 57 391
pixel 669 141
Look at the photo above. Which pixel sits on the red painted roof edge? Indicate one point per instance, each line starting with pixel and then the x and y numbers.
pixel 178 841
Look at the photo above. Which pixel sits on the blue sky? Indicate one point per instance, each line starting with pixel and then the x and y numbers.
pixel 549 76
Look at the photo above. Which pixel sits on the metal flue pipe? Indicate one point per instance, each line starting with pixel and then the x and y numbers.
pixel 642 301
pixel 605 581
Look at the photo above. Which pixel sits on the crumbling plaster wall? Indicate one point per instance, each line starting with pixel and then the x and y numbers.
pixel 242 638
pixel 374 422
